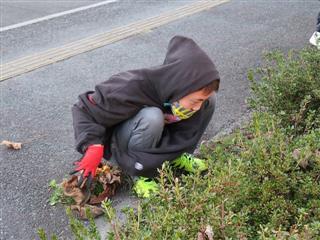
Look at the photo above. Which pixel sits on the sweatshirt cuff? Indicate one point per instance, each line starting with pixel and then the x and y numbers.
pixel 85 146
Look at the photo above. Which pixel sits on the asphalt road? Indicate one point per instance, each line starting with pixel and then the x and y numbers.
pixel 55 32
pixel 14 12
pixel 36 107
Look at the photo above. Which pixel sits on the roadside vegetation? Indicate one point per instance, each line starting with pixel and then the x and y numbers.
pixel 263 180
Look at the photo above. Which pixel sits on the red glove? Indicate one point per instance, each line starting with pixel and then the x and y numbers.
pixel 90 161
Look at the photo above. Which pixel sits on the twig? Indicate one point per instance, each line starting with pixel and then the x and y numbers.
pixel 222 226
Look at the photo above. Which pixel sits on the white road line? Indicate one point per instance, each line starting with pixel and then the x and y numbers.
pixel 55 15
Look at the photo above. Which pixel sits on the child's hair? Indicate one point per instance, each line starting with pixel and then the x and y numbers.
pixel 213 86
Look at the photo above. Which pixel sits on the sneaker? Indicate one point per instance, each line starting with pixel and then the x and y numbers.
pixel 190 163
pixel 145 187
pixel 315 39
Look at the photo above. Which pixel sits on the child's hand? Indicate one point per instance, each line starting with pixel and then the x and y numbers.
pixel 88 164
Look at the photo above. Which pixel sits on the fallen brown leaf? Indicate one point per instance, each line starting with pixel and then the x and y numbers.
pixel 108 176
pixel 70 189
pixel 201 236
pixel 12 145
pixel 296 153
pixel 103 170
pixel 206 234
pixel 209 232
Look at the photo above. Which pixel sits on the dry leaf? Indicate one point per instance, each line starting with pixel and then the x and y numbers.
pixel 305 161
pixel 296 154
pixel 201 236
pixel 70 189
pixel 209 232
pixel 108 176
pixel 102 170
pixel 12 145
pixel 206 234
pixel 110 180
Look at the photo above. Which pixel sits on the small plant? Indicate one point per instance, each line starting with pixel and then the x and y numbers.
pixel 42 235
pixel 111 218
pixel 80 231
pixel 98 188
pixel 57 195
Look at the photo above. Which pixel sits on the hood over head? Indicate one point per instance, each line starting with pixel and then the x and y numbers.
pixel 186 69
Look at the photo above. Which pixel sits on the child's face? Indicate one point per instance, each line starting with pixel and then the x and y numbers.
pixel 193 101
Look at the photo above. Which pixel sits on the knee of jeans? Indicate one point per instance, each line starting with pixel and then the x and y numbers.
pixel 153 116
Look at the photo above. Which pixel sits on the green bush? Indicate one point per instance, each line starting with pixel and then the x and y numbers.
pixel 289 87
pixel 256 188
